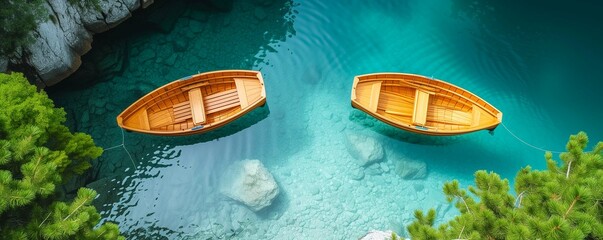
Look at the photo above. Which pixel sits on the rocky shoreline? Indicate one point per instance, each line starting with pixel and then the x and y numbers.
pixel 59 43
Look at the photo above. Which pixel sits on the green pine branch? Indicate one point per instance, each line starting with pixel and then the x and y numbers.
pixel 562 202
pixel 38 153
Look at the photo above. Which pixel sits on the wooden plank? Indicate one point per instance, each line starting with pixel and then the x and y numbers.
pixel 217 95
pixel 374 100
pixel 419 116
pixel 219 105
pixel 160 119
pixel 476 116
pixel 449 116
pixel 398 113
pixel 182 112
pixel 196 102
pixel 242 92
pixel 179 105
pixel 224 107
pixel 144 120
pixel 228 99
pixel 222 100
pixel 196 85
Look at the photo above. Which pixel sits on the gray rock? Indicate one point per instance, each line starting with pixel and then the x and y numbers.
pixel 50 55
pixel 384 167
pixel 364 148
pixel 112 13
pixel 106 63
pixel 250 183
pixel 85 117
pixel 179 45
pixel 357 174
pixel 374 170
pixel 411 169
pixel 146 3
pixel 3 64
pixel 146 55
pixel 59 43
pixel 170 61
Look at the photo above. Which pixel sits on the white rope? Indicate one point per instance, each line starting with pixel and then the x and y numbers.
pixel 106 149
pixel 123 145
pixel 526 143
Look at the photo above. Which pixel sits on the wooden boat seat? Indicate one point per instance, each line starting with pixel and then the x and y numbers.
pixel 419 116
pixel 374 100
pixel 221 101
pixel 213 103
pixel 182 112
pixel 195 99
pixel 242 93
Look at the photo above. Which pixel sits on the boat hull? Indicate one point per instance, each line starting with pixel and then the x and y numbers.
pixel 422 105
pixel 195 104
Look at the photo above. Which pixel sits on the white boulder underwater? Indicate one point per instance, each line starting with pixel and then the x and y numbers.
pixel 250 183
pixel 365 149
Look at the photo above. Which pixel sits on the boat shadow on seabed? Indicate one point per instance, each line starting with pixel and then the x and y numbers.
pixel 141 146
pixel 362 119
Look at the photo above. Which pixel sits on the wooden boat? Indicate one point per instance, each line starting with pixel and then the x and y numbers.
pixel 422 105
pixel 195 104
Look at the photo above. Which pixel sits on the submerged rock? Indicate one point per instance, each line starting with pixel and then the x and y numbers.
pixel 3 64
pixel 364 148
pixel 357 174
pixel 250 183
pixel 373 169
pixel 411 169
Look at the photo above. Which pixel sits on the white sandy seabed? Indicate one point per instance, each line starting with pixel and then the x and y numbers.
pixel 326 194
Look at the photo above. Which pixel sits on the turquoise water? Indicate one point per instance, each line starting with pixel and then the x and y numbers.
pixel 539 64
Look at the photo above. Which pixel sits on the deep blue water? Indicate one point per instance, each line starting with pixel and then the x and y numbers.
pixel 540 63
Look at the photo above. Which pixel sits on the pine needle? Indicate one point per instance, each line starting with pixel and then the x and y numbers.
pixel 78 207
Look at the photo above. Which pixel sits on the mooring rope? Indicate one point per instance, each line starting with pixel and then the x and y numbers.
pixel 526 143
pixel 123 145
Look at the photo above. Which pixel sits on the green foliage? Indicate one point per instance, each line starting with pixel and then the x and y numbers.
pixel 562 202
pixel 38 153
pixel 17 19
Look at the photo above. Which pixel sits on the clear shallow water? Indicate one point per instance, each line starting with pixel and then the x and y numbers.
pixel 541 66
